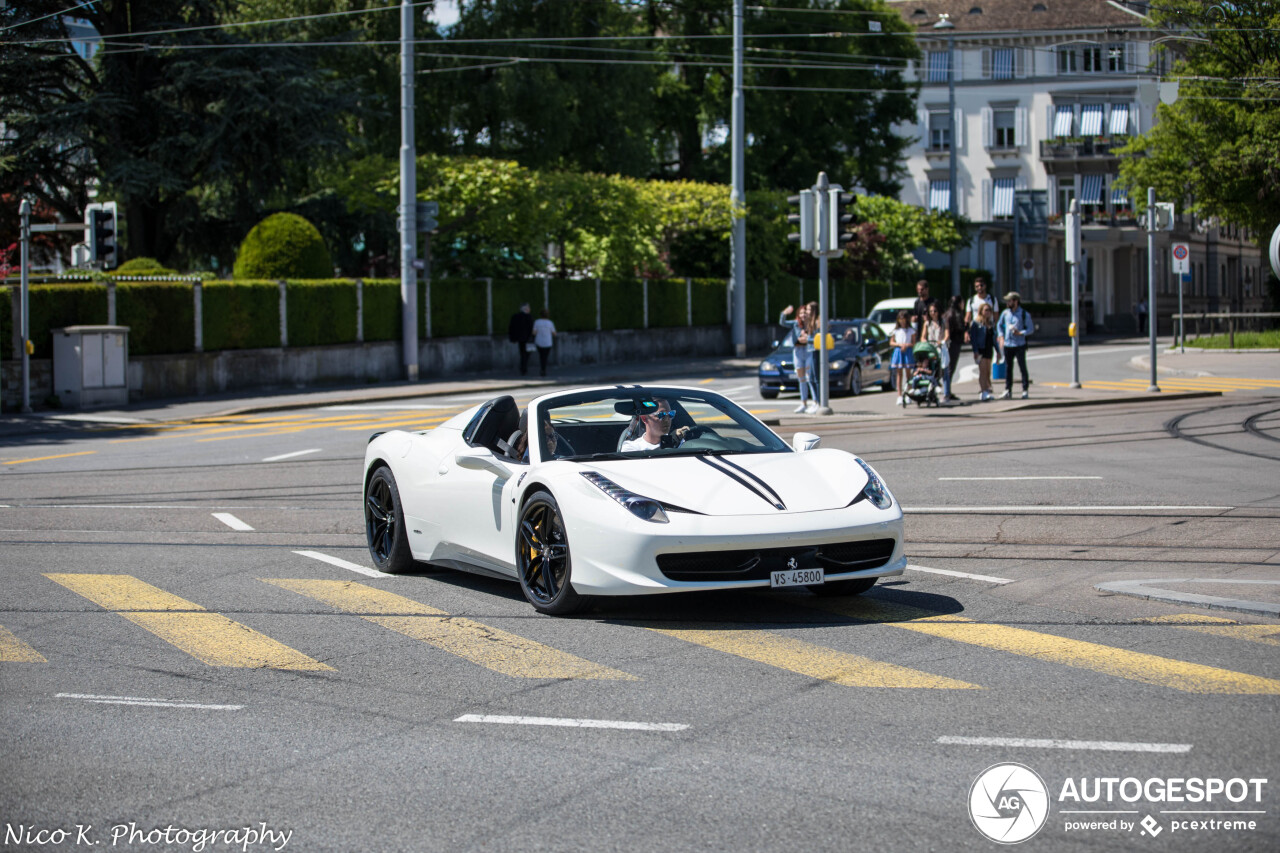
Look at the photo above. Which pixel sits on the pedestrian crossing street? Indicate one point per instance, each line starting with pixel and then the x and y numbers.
pixel 1223 384
pixel 217 640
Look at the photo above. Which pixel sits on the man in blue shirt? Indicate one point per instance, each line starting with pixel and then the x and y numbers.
pixel 1011 334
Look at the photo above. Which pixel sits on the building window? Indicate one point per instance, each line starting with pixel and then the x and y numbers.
pixel 1002 198
pixel 1002 63
pixel 1066 194
pixel 1119 120
pixel 1004 123
pixel 1091 59
pixel 940 130
pixel 1091 120
pixel 1066 60
pixel 940 195
pixel 1091 200
pixel 937 72
pixel 1115 58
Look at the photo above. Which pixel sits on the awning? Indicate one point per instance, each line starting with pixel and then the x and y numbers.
pixel 1119 119
pixel 1091 189
pixel 1002 63
pixel 1062 120
pixel 937 66
pixel 939 195
pixel 1091 120
pixel 1002 197
pixel 1118 194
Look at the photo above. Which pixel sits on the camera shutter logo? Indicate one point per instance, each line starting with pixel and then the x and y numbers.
pixel 1008 803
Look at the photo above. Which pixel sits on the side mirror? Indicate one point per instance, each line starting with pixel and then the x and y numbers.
pixel 802 441
pixel 775 344
pixel 480 459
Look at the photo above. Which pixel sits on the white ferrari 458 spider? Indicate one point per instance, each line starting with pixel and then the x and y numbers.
pixel 626 490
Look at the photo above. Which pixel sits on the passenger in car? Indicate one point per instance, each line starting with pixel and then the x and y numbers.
pixel 553 445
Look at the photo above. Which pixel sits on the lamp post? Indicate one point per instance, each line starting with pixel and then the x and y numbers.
pixel 738 323
pixel 953 202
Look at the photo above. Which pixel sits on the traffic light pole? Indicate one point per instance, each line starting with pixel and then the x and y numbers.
pixel 825 238
pixel 1074 259
pixel 408 199
pixel 737 197
pixel 24 216
pixel 1151 282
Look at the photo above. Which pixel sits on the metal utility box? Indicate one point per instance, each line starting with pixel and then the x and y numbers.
pixel 91 366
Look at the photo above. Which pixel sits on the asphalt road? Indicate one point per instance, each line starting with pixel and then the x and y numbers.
pixel 146 568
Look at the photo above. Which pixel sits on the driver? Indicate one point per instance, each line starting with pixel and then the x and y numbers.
pixel 656 416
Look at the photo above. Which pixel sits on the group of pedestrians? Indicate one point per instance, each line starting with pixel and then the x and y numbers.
pixel 805 327
pixel 993 339
pixel 529 335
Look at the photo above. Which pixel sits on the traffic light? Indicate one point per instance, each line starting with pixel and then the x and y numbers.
pixel 101 221
pixel 839 219
pixel 807 218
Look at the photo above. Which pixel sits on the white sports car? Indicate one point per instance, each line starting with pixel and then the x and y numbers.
pixel 628 490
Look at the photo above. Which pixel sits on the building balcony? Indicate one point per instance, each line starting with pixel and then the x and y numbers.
pixel 1075 148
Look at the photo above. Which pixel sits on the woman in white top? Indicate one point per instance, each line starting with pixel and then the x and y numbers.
pixel 544 332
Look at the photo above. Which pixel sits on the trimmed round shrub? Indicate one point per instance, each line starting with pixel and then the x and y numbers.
pixel 284 245
pixel 143 266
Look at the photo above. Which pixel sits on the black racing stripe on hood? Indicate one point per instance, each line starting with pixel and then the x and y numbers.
pixel 746 485
pixel 756 478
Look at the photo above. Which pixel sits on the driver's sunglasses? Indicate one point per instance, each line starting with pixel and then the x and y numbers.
pixel 661 415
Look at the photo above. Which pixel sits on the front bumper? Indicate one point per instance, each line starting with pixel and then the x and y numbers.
pixel 621 557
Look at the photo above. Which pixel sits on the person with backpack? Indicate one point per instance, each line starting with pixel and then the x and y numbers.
pixel 1011 334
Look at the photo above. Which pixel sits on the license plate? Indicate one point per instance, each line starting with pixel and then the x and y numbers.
pixel 796 577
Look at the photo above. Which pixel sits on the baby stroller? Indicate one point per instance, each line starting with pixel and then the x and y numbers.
pixel 926 379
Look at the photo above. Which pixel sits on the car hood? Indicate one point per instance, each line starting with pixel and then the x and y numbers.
pixel 745 483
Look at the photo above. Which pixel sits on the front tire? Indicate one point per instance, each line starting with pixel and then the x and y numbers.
pixel 768 394
pixel 384 524
pixel 543 563
pixel 855 381
pixel 856 586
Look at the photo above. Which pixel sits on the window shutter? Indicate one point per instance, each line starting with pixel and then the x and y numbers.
pixel 1049 112
pixel 924 192
pixel 1020 183
pixel 1019 62
pixel 922 119
pixel 957 130
pixel 1022 135
pixel 1130 58
pixel 986 127
pixel 986 63
pixel 958 68
pixel 986 200
pixel 1134 112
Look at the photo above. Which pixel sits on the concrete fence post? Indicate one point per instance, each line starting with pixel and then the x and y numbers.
pixel 359 310
pixel 111 302
pixel 15 308
pixel 688 299
pixel 426 307
pixel 284 313
pixel 488 305
pixel 728 302
pixel 197 304
pixel 644 298
pixel 766 301
pixel 546 293
pixel 598 326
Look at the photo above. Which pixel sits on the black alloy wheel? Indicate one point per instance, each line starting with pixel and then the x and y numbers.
pixel 856 586
pixel 384 524
pixel 542 558
pixel 855 381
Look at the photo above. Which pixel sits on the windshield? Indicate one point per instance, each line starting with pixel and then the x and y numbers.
pixel 642 422
pixel 885 315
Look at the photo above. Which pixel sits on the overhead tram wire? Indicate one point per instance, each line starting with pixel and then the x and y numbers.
pixel 47 17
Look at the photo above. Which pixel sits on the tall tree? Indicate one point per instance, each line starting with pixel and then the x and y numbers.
pixel 194 129
pixel 1214 148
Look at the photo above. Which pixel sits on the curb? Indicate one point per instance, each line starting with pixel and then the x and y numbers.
pixel 1139 589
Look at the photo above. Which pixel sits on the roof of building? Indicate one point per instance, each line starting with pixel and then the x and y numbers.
pixel 1022 15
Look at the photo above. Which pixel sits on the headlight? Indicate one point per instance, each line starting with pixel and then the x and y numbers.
pixel 875 490
pixel 641 507
pixel 839 364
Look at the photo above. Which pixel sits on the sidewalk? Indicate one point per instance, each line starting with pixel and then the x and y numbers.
pixel 871 404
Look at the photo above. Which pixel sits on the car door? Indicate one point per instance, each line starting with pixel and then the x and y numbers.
pixel 876 356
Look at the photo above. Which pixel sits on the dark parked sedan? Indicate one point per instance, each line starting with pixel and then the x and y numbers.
pixel 859 358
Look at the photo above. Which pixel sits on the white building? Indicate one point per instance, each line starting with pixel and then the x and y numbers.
pixel 1045 92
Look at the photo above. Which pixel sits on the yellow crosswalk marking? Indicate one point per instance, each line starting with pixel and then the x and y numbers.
pixel 208 637
pixel 814 661
pixel 1179 383
pixel 13 650
pixel 1229 628
pixel 481 644
pixel 46 458
pixel 1109 660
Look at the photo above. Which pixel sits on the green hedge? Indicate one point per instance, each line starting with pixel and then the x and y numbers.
pixel 621 304
pixel 709 296
pixel 458 307
pixel 54 306
pixel 510 294
pixel 160 316
pixel 381 309
pixel 573 305
pixel 6 322
pixel 241 314
pixel 668 303
pixel 321 312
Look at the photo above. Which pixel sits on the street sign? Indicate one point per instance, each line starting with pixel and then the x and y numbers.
pixel 1028 268
pixel 1181 258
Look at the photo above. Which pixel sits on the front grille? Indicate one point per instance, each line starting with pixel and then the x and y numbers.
pixel 757 563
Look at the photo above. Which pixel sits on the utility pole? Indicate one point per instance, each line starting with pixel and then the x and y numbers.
pixel 1151 282
pixel 737 196
pixel 408 199
pixel 953 203
pixel 24 231
pixel 1074 259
